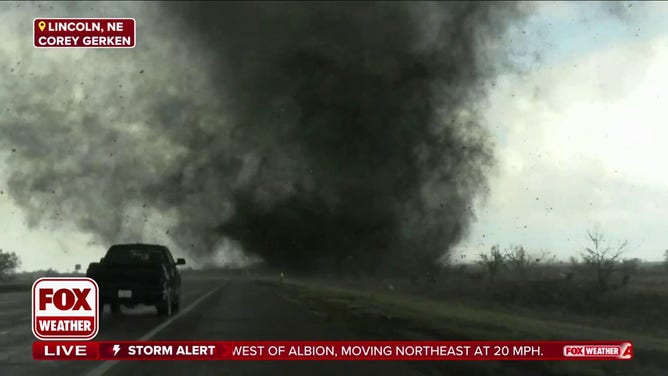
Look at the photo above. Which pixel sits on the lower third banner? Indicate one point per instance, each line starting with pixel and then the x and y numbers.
pixel 332 350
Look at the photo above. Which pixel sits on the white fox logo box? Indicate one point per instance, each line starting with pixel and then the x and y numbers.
pixel 65 308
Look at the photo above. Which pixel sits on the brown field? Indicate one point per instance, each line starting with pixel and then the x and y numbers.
pixel 463 304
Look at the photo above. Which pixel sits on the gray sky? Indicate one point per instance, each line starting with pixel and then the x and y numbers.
pixel 579 133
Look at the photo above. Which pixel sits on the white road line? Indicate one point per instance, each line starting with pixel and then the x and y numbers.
pixel 106 366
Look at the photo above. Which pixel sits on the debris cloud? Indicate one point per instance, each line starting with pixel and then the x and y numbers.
pixel 329 137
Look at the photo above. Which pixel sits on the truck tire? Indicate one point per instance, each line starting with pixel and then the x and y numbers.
pixel 176 305
pixel 115 309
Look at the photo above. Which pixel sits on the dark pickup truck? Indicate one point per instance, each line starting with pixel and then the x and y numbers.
pixel 132 274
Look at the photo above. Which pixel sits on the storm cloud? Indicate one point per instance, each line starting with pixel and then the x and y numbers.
pixel 324 137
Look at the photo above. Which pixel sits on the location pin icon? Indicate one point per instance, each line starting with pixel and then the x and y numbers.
pixel 41 25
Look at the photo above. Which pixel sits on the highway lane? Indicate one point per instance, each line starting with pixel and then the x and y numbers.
pixel 14 324
pixel 250 310
pixel 226 309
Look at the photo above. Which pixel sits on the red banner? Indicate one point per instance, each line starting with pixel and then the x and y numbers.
pixel 333 350
pixel 84 32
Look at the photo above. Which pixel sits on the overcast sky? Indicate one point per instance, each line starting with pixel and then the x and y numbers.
pixel 580 136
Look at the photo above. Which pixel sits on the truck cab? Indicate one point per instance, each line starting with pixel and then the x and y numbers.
pixel 133 274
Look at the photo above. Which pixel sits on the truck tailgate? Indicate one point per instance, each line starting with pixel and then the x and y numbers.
pixel 129 276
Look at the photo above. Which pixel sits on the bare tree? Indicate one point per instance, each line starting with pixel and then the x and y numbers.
pixel 9 262
pixel 519 261
pixel 494 261
pixel 602 258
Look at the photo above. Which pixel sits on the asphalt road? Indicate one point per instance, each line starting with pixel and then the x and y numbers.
pixel 212 309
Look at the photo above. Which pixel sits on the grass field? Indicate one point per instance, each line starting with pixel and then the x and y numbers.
pixel 24 281
pixel 501 310
pixel 13 287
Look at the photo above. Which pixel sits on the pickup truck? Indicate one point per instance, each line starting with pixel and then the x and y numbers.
pixel 132 274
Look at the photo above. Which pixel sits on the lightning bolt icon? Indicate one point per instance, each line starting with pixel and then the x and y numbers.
pixel 116 349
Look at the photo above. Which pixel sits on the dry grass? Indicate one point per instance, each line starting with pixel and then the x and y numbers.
pixel 445 312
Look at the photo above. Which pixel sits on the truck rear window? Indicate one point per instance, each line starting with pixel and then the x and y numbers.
pixel 134 256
